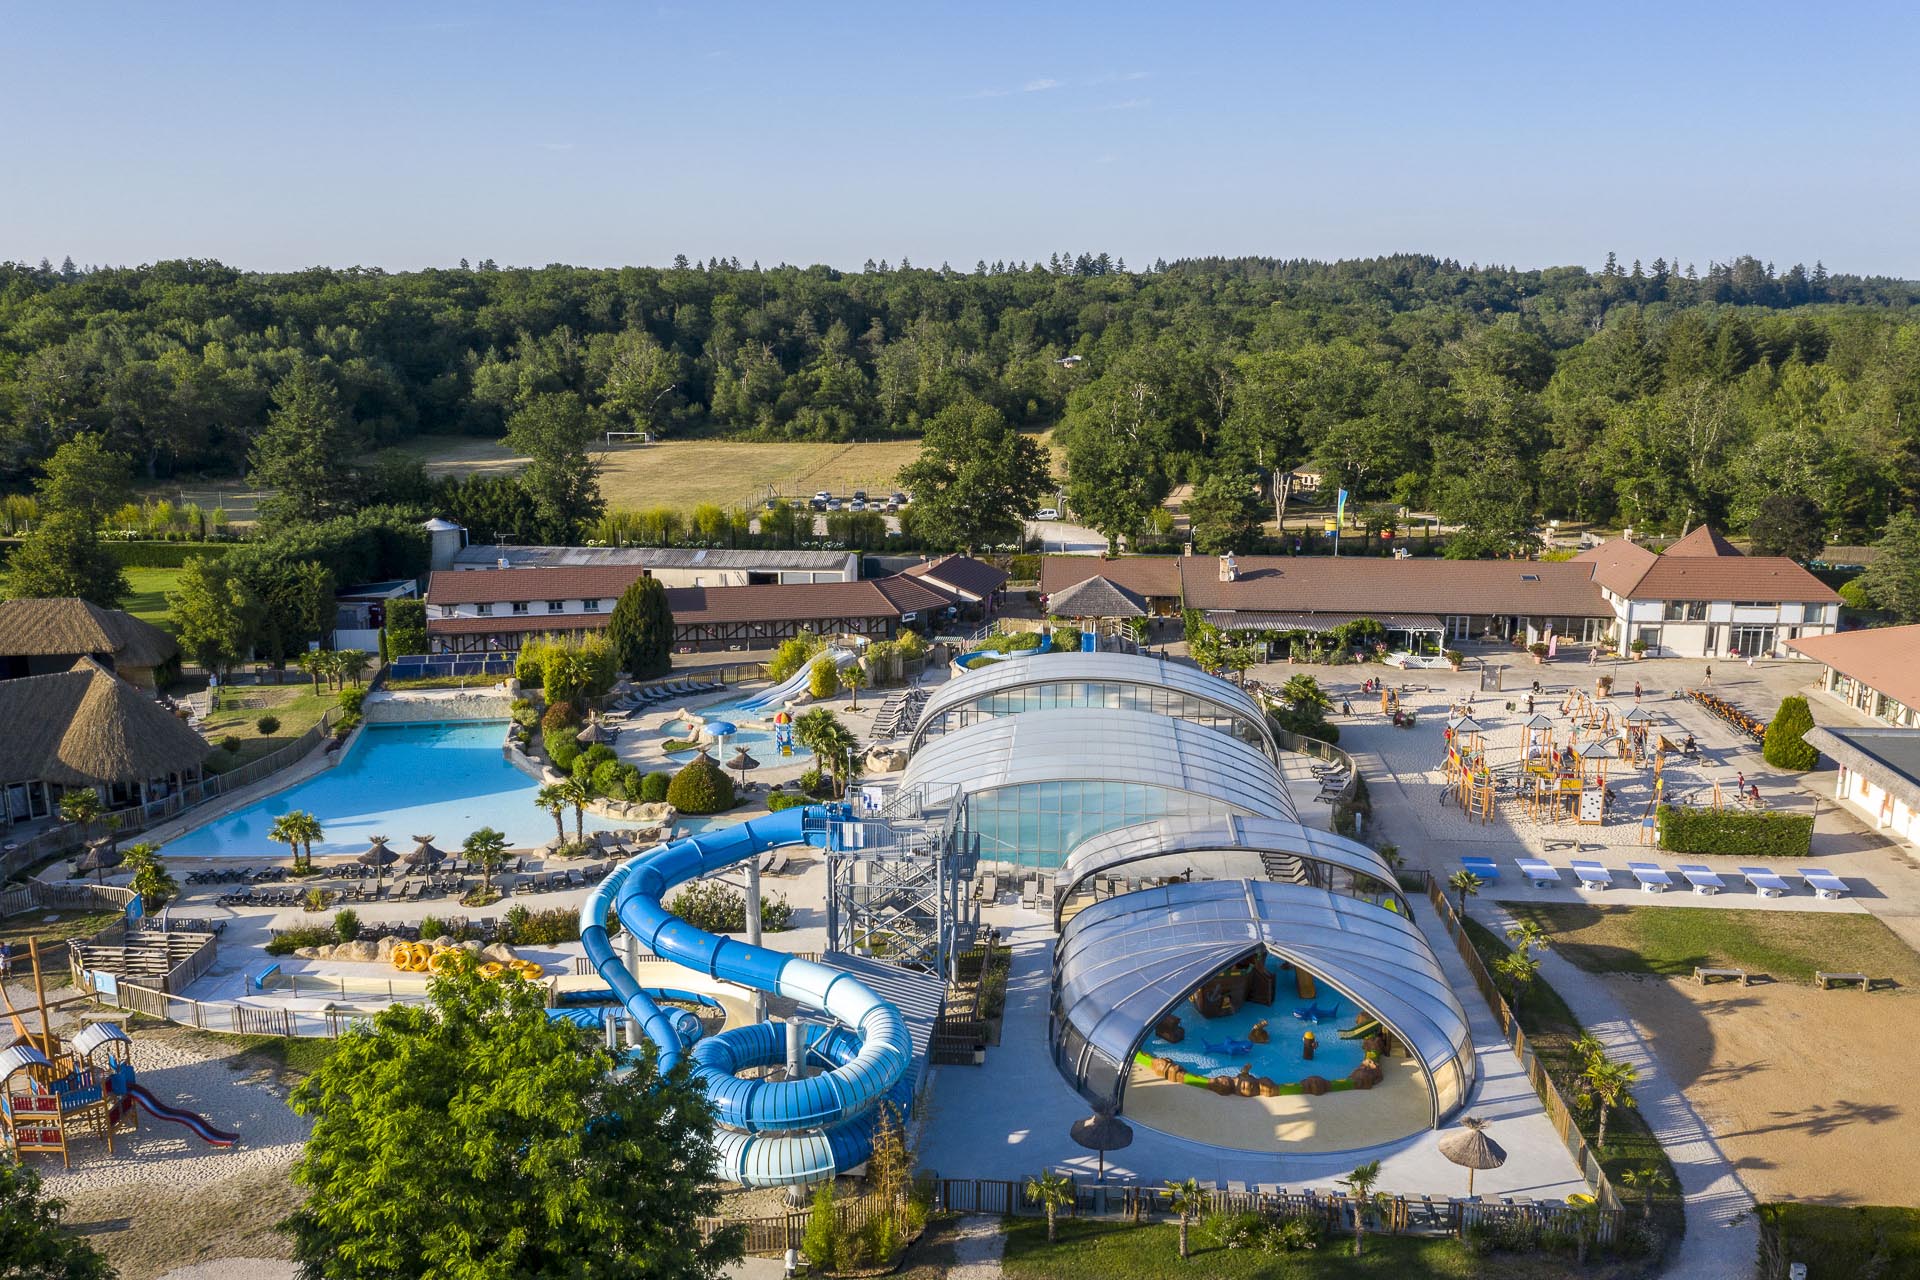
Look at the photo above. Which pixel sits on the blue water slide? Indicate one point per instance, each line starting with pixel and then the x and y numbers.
pixel 793 686
pixel 968 661
pixel 772 1133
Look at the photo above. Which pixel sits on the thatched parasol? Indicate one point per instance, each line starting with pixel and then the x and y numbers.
pixel 100 857
pixel 423 854
pixel 743 762
pixel 1102 1131
pixel 377 854
pixel 595 733
pixel 1472 1149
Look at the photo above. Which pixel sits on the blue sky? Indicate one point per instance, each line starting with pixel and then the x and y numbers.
pixel 408 135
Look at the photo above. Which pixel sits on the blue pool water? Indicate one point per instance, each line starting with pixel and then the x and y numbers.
pixel 399 781
pixel 1279 1060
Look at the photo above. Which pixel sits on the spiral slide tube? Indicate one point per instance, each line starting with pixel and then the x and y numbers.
pixel 773 1133
pixel 981 657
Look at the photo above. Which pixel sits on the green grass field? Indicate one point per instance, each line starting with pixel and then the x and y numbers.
pixel 148 598
pixel 1845 1240
pixel 1552 1029
pixel 296 707
pixel 1669 941
pixel 1110 1250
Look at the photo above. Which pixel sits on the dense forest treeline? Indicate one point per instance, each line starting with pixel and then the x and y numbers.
pixel 1646 394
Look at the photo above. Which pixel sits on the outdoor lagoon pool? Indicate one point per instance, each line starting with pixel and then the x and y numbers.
pixel 398 781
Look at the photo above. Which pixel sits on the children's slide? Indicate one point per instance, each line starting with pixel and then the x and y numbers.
pixel 161 1111
pixel 771 1132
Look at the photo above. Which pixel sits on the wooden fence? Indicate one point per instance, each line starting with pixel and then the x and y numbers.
pixel 38 894
pixel 1559 1112
pixel 221 1015
pixel 1385 1214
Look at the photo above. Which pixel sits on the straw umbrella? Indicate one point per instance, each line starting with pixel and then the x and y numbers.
pixel 100 857
pixel 594 734
pixel 1472 1149
pixel 1103 1131
pixel 423 853
pixel 379 857
pixel 743 762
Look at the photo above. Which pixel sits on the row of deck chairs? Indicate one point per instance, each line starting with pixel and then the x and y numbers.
pixel 1332 779
pixel 236 875
pixel 560 881
pixel 774 863
pixel 671 691
pixel 899 714
pixel 1652 878
pixel 283 897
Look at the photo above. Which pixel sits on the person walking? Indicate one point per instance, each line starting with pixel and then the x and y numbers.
pixel 1636 691
pixel 1709 675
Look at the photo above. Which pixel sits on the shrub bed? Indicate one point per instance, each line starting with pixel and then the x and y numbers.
pixel 1733 833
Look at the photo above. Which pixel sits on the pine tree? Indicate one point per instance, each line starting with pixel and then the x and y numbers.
pixel 641 630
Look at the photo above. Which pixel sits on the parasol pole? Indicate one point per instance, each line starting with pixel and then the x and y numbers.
pixel 40 998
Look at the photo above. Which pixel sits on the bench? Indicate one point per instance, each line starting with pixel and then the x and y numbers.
pixel 1704 976
pixel 1825 981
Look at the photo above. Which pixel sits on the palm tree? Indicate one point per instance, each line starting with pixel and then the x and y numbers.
pixel 487 848
pixel 313 662
pixel 576 795
pixel 1519 968
pixel 1605 1085
pixel 1053 1192
pixel 853 677
pixel 1359 1185
pixel 286 830
pixel 1190 1202
pixel 352 663
pixel 82 808
pixel 831 742
pixel 1527 936
pixel 1586 1047
pixel 1649 1181
pixel 553 798
pixel 297 830
pixel 1465 885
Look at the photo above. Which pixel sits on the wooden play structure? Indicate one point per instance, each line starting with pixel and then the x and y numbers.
pixel 52 1094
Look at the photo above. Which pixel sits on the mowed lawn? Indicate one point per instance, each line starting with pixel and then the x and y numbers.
pixel 684 474
pixel 1847 1240
pixel 148 598
pixel 1669 942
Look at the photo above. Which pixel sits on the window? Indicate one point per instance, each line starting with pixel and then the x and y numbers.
pixel 520 607
pixel 1686 611
pixel 1753 604
pixel 483 610
pixel 591 606
pixel 556 606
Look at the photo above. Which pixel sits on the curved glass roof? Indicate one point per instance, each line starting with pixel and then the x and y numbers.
pixel 1121 681
pixel 1123 964
pixel 1075 744
pixel 1230 849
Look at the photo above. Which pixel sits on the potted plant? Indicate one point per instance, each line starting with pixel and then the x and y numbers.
pixel 1639 647
pixel 1455 658
pixel 1539 651
pixel 1603 685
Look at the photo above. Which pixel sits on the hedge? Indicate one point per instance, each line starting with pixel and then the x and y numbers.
pixel 1747 835
pixel 146 555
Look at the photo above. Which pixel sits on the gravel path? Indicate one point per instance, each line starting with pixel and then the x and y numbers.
pixel 977 1246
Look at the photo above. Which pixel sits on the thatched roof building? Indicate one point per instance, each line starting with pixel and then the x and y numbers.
pixel 85 728
pixel 42 636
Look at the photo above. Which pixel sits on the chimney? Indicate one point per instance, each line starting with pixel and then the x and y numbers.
pixel 1228 569
pixel 501 563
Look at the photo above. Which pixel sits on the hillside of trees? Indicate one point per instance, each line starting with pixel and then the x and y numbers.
pixel 1646 394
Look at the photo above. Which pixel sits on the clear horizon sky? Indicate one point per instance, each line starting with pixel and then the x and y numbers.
pixel 405 135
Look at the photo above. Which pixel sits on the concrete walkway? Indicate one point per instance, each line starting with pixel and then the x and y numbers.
pixel 1723 1238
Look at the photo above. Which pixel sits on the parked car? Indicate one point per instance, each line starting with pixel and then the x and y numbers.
pixel 823 496
pixel 859 495
pixel 1046 513
pixel 858 504
pixel 891 504
pixel 770 504
pixel 834 504
pixel 897 498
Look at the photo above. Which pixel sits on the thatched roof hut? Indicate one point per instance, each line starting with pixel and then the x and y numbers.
pixel 42 636
pixel 84 727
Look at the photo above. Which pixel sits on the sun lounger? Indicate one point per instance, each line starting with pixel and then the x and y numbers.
pixel 778 867
pixel 1542 875
pixel 1764 882
pixel 1592 875
pixel 1485 868
pixel 989 887
pixel 1652 879
pixel 1702 878
pixel 1824 883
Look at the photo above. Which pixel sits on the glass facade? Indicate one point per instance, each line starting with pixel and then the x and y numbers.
pixel 1036 824
pixel 1110 694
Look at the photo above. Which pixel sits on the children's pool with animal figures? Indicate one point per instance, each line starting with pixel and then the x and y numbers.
pixel 1221 1046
